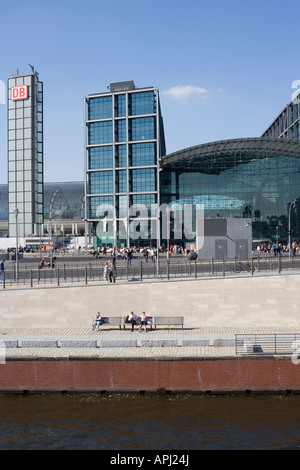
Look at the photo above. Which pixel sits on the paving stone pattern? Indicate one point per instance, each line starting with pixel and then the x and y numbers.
pixel 161 343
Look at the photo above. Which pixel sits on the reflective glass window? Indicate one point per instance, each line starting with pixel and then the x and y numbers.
pixel 146 199
pixel 100 108
pixel 3 202
pixel 142 128
pixel 121 181
pixel 101 182
pixel 121 206
pixel 100 157
pixel 143 180
pixel 121 156
pixel 120 130
pixel 95 204
pixel 143 154
pixel 120 105
pixel 142 103
pixel 100 132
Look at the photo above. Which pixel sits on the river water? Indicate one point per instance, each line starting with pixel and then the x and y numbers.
pixel 139 423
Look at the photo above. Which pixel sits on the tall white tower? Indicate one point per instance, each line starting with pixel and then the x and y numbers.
pixel 25 155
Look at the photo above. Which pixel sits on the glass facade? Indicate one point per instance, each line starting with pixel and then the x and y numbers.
pixel 287 124
pixel 100 157
pixel 25 155
pixel 258 184
pixel 124 143
pixel 142 154
pixel 100 132
pixel 64 200
pixel 261 184
pixel 100 108
pixel 142 129
pixel 3 202
pixel 142 103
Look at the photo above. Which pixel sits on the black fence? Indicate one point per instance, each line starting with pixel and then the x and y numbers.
pixel 92 271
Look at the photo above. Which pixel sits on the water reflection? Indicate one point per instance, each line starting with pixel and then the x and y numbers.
pixel 133 422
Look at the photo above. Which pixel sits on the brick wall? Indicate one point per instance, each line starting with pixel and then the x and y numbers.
pixel 215 376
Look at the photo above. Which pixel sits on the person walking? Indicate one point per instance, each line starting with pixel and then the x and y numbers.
pixel 111 271
pixel 114 255
pixel 128 256
pixel 2 269
pixel 106 271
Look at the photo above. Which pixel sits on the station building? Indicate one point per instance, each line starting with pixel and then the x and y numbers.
pixel 129 179
pixel 256 178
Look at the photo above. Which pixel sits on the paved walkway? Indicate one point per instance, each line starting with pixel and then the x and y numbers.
pixel 169 343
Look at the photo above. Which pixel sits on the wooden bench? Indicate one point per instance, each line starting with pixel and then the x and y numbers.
pixel 111 321
pixel 168 321
pixel 129 324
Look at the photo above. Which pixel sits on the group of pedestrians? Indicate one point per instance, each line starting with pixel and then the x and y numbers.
pixel 278 248
pixel 109 272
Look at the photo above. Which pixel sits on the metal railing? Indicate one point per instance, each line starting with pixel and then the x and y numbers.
pixel 267 344
pixel 88 271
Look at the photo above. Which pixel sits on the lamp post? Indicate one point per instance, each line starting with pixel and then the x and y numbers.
pixel 17 244
pixel 290 208
pixel 157 237
pixel 50 224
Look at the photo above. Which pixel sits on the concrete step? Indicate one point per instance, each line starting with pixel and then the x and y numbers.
pixel 112 343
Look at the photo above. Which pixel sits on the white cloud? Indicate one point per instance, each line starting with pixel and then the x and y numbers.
pixel 184 93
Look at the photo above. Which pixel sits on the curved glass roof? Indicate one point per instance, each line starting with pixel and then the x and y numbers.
pixel 67 200
pixel 214 157
pixel 3 202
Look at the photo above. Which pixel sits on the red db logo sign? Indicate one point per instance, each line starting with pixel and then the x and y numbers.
pixel 19 92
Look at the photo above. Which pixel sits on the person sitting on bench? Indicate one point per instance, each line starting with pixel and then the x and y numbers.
pixel 144 320
pixel 97 322
pixel 133 319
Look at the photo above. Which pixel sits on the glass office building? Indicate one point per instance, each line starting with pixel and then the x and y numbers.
pixel 25 155
pixel 124 142
pixel 256 178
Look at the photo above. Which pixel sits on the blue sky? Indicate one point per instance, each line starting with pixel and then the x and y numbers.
pixel 224 68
